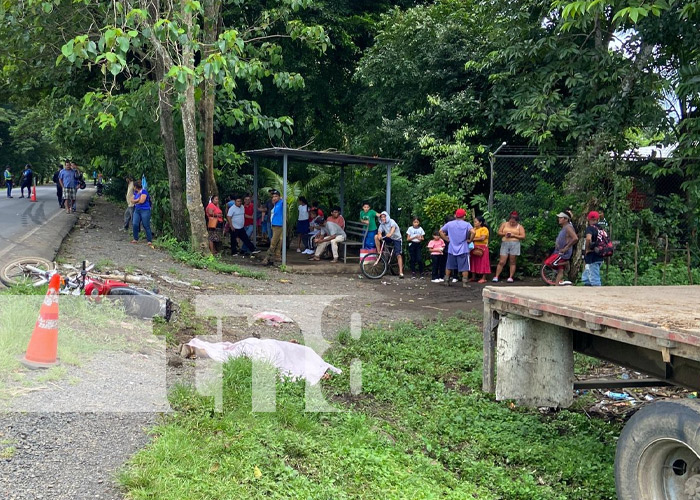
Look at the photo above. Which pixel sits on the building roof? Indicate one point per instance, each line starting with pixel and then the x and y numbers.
pixel 319 157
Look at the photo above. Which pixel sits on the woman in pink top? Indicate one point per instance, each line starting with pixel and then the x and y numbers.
pixel 215 221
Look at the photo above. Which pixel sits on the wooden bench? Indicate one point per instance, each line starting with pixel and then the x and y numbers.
pixel 355 233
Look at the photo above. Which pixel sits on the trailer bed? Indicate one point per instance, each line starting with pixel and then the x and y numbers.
pixel 655 330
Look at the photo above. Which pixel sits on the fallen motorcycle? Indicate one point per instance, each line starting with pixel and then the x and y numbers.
pixel 137 301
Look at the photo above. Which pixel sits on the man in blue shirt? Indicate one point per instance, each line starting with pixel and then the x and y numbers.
pixel 277 222
pixel 26 182
pixel 69 184
pixel 459 233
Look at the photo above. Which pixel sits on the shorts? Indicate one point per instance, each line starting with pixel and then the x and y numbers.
pixel 396 243
pixel 510 248
pixel 459 262
pixel 303 226
pixel 68 193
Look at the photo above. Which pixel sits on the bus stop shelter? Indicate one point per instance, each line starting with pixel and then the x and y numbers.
pixel 332 159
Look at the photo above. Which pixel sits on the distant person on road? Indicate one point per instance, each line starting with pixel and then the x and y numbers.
pixel 390 232
pixel 369 217
pixel 26 181
pixel 276 221
pixel 565 242
pixel 59 189
pixel 142 213
pixel 8 181
pixel 511 233
pixel 480 261
pixel 591 272
pixel 215 223
pixel 459 232
pixel 129 212
pixel 69 184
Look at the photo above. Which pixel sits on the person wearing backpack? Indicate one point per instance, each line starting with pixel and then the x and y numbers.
pixel 592 258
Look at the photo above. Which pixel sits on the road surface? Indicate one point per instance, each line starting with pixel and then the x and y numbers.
pixel 35 228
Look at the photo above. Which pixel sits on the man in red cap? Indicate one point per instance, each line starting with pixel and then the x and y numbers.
pixel 459 232
pixel 591 273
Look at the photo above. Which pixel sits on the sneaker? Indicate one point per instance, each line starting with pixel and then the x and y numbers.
pixel 510 280
pixel 308 251
pixel 298 250
pixel 400 276
pixel 565 283
pixel 254 252
pixel 495 279
pixel 441 280
pixel 454 280
pixel 413 276
pixel 22 196
pixel 436 280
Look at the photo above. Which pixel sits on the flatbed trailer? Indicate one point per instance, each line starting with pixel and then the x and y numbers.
pixel 530 334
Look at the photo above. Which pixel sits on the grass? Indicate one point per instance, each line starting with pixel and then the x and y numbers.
pixel 84 328
pixel 181 252
pixel 420 429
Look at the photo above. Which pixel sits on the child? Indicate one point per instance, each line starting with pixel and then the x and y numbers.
pixel 437 248
pixel 414 235
pixel 302 223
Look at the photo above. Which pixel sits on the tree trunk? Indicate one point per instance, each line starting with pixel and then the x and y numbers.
pixel 167 132
pixel 210 34
pixel 198 229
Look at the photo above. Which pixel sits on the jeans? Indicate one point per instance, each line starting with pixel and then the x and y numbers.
pixel 591 274
pixel 142 217
pixel 267 229
pixel 414 251
pixel 275 249
pixel 59 195
pixel 242 235
pixel 9 188
pixel 249 230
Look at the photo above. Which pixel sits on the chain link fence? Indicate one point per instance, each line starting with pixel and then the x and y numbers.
pixel 650 210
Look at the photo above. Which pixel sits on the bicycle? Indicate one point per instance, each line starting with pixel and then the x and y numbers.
pixel 551 267
pixel 375 265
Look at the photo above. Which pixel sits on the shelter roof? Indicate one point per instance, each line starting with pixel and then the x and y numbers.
pixel 319 157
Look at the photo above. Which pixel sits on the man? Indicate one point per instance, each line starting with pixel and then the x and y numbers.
pixel 459 232
pixel 266 210
pixel 69 184
pixel 249 219
pixel 369 217
pixel 236 220
pixel 276 221
pixel 389 230
pixel 591 273
pixel 564 244
pixel 336 218
pixel 129 212
pixel 8 181
pixel 59 189
pixel 331 234
pixel 26 181
pixel 94 177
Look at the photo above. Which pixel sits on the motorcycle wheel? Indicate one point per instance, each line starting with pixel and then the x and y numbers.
pixel 16 272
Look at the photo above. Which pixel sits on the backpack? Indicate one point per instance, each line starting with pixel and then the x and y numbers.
pixel 604 246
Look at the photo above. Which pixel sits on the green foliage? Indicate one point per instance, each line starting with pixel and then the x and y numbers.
pixel 182 252
pixel 436 209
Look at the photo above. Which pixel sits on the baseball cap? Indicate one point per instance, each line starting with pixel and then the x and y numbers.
pixel 562 214
pixel 460 212
pixel 593 215
pixel 274 191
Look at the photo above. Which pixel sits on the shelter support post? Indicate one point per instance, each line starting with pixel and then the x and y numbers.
pixel 388 189
pixel 255 201
pixel 284 210
pixel 535 362
pixel 342 189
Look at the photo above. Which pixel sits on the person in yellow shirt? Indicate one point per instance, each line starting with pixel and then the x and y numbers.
pixel 480 262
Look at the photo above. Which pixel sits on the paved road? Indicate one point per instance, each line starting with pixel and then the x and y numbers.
pixel 35 228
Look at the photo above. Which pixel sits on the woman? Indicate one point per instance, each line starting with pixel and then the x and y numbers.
pixel 215 222
pixel 142 213
pixel 480 264
pixel 511 233
pixel 565 242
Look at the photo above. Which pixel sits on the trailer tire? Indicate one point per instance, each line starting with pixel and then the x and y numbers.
pixel 658 453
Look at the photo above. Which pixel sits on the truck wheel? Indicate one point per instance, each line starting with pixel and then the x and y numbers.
pixel 658 453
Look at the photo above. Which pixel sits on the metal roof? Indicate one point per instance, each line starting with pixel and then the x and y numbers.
pixel 319 157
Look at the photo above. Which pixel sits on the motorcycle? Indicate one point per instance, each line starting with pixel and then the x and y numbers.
pixel 137 301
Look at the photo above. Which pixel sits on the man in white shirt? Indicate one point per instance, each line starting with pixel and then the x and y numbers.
pixel 331 234
pixel 236 219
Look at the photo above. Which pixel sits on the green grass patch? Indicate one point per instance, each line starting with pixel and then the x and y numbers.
pixel 420 429
pixel 180 251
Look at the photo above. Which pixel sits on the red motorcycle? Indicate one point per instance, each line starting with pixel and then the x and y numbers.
pixel 137 301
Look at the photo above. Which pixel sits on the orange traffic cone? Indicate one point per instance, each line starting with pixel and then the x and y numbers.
pixel 33 198
pixel 41 351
